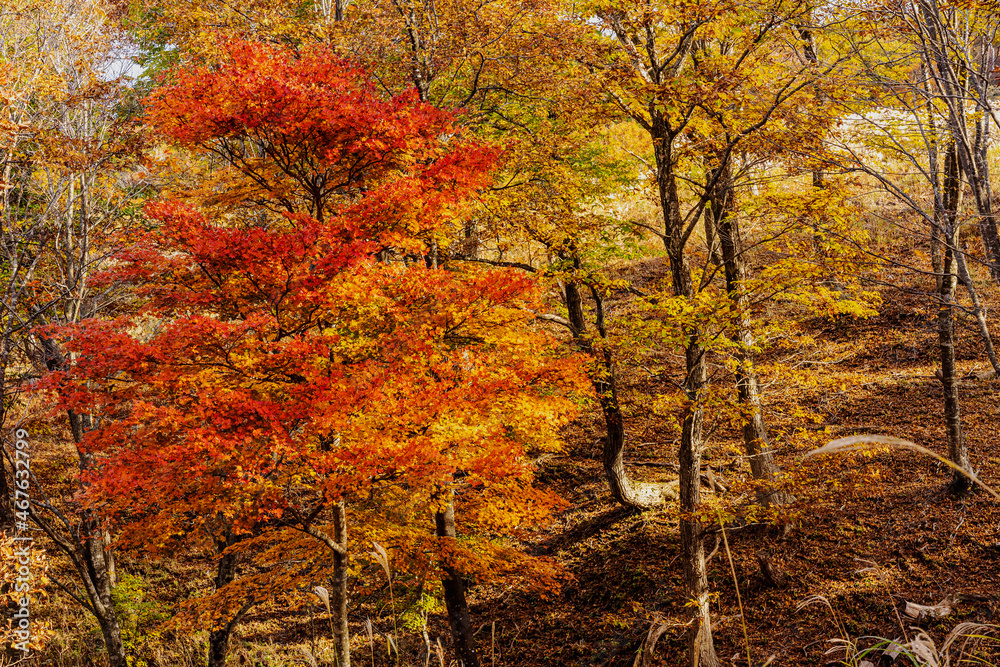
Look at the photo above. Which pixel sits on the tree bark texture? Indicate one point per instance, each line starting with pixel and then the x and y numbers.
pixel 755 437
pixel 94 562
pixel 226 570
pixel 86 544
pixel 700 643
pixel 459 619
pixel 338 598
pixel 603 376
pixel 957 450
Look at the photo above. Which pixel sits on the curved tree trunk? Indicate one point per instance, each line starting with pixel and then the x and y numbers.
pixel 755 438
pixel 603 376
pixel 459 619
pixel 94 562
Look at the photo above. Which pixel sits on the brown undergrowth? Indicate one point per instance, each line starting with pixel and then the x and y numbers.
pixel 886 512
pixel 868 532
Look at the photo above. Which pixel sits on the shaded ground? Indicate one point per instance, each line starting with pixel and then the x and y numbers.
pixel 867 531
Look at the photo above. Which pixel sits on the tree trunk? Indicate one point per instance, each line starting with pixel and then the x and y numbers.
pixel 6 506
pixel 94 563
pixel 957 450
pixel 338 598
pixel 218 637
pixel 226 571
pixel 701 645
pixel 755 438
pixel 712 232
pixel 86 545
pixel 937 252
pixel 809 53
pixel 966 279
pixel 603 376
pixel 454 594
pixel 983 190
pixel 959 85
pixel 338 546
pixel 937 225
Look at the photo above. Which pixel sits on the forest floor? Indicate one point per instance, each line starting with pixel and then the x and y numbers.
pixel 868 532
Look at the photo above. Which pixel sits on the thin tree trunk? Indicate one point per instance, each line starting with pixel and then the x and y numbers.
pixel 6 506
pixel 937 252
pixel 454 594
pixel 712 232
pixel 87 543
pixel 603 376
pixel 218 637
pixel 95 563
pixel 809 53
pixel 983 189
pixel 966 280
pixel 755 438
pixel 338 546
pixel 957 88
pixel 957 450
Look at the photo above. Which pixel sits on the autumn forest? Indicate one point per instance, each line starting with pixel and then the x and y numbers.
pixel 496 333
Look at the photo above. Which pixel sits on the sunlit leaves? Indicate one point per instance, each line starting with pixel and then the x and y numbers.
pixel 278 364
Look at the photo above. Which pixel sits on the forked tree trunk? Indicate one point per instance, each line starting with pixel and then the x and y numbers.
pixel 93 561
pixel 459 619
pixel 84 542
pixel 341 555
pixel 755 438
pixel 700 643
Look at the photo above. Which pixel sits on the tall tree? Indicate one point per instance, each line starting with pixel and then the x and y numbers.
pixel 667 79
pixel 303 369
pixel 69 161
